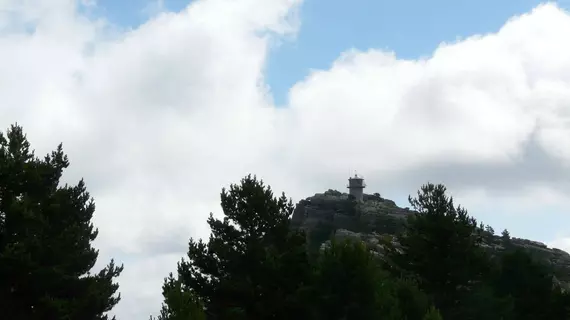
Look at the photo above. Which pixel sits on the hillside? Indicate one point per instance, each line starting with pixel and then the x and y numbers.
pixel 332 212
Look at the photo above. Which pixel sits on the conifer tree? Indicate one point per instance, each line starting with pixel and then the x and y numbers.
pixel 45 239
pixel 179 302
pixel 441 248
pixel 253 265
pixel 530 284
pixel 350 285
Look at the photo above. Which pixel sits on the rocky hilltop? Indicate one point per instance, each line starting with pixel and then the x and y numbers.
pixel 334 213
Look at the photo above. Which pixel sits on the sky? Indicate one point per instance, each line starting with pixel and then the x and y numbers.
pixel 160 104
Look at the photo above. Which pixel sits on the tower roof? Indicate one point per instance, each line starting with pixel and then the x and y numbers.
pixel 356 176
pixel 356 182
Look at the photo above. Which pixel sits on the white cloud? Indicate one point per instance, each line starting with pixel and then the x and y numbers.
pixel 159 118
pixel 490 92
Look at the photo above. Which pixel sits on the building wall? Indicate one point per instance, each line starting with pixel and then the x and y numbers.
pixel 356 188
pixel 358 193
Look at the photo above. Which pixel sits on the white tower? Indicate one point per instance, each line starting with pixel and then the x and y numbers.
pixel 356 187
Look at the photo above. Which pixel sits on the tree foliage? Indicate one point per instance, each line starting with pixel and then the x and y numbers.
pixel 432 314
pixel 441 248
pixel 530 284
pixel 180 303
pixel 255 266
pixel 358 291
pixel 45 239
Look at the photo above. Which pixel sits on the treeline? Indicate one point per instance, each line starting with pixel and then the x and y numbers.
pixel 255 265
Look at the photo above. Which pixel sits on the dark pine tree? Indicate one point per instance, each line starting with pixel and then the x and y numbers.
pixel 45 240
pixel 179 302
pixel 349 285
pixel 253 266
pixel 530 284
pixel 441 249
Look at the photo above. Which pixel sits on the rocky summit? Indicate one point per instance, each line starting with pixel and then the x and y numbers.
pixel 375 219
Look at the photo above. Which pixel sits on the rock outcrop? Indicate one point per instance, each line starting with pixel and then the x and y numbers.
pixel 376 220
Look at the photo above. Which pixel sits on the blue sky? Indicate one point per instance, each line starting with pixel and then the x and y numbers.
pixel 410 28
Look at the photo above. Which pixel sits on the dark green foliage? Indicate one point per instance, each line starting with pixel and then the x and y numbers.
pixel 440 247
pixel 413 302
pixel 432 314
pixel 179 302
pixel 506 236
pixel 559 304
pixel 359 289
pixel 482 302
pixel 331 192
pixel 322 232
pixel 529 283
pixel 45 239
pixel 349 283
pixel 253 266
